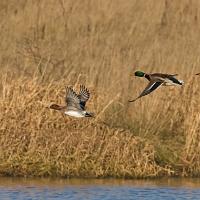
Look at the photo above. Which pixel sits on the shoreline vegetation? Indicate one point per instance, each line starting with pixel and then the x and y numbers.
pixel 47 46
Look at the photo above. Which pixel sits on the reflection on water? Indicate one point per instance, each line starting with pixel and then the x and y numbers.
pixel 21 188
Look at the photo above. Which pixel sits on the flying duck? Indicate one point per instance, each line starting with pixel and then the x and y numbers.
pixel 75 103
pixel 155 80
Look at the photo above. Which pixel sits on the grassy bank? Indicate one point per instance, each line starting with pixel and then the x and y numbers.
pixel 46 46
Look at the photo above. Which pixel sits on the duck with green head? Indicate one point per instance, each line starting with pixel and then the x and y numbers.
pixel 155 80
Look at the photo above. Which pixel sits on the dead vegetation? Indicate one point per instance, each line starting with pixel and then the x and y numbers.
pixel 46 46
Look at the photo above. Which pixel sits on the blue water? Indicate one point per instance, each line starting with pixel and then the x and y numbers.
pixel 16 188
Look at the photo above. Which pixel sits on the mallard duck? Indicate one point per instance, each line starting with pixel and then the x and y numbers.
pixel 75 103
pixel 155 80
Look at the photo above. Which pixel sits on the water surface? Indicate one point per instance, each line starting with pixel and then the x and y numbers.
pixel 98 189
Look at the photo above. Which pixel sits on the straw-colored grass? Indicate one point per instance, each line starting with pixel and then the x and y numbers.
pixel 46 45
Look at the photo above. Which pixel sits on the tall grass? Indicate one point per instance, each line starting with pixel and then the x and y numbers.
pixel 47 45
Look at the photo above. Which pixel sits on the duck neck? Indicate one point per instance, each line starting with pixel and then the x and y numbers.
pixel 147 77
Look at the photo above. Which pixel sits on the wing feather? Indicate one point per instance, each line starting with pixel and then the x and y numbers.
pixel 84 95
pixel 72 100
pixel 150 88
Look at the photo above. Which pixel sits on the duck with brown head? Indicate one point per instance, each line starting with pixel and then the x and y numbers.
pixel 75 103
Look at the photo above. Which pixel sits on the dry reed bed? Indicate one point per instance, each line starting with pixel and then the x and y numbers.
pixel 36 141
pixel 99 43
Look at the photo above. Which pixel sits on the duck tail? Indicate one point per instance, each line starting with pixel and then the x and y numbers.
pixel 89 114
pixel 175 81
pixel 181 82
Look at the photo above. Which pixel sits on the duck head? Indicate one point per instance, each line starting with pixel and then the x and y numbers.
pixel 55 107
pixel 139 73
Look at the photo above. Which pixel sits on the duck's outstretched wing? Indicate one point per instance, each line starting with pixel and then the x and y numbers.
pixel 150 88
pixel 83 96
pixel 72 100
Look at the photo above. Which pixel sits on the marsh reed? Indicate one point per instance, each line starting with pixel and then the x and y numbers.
pixel 47 45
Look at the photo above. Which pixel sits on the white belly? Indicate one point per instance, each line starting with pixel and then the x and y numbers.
pixel 74 113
